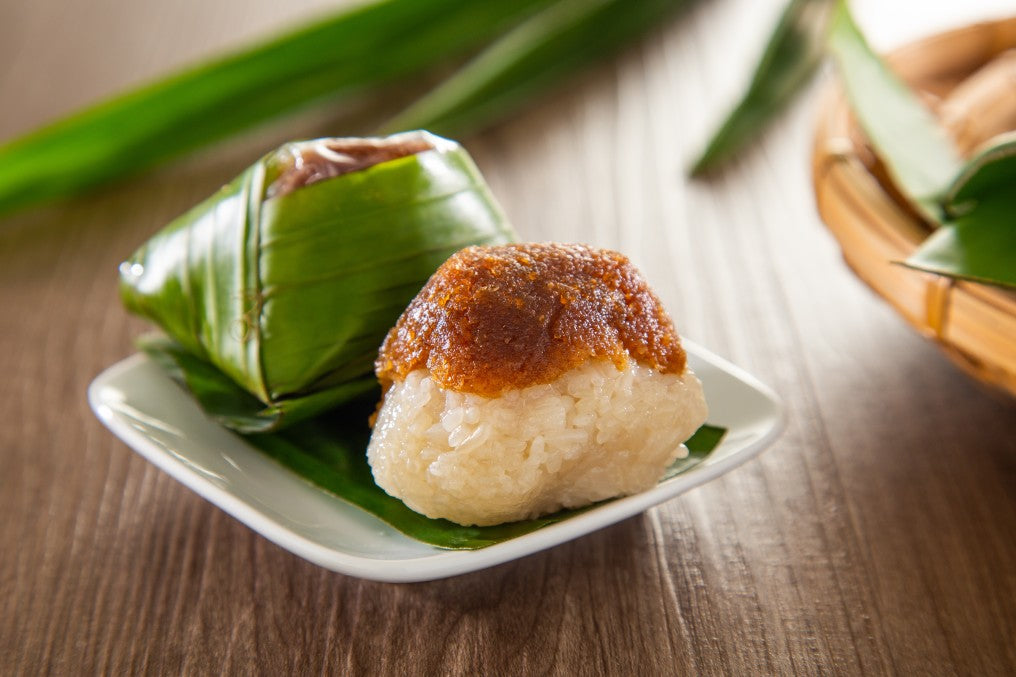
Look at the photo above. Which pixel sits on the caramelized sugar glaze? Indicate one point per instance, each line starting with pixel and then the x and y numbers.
pixel 493 319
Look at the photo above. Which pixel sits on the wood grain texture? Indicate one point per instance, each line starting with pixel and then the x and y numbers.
pixel 877 536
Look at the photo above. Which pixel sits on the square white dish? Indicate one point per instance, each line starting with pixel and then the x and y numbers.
pixel 148 411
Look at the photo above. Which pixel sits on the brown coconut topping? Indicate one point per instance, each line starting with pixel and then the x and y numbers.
pixel 315 161
pixel 493 319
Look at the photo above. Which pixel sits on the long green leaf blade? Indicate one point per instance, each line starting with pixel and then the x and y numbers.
pixel 532 57
pixel 791 56
pixel 368 45
pixel 914 147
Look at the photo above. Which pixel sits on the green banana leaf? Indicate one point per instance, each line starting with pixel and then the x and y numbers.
pixel 290 296
pixel 332 455
pixel 918 154
pixel 358 50
pixel 977 241
pixel 793 53
pixel 539 52
pixel 330 452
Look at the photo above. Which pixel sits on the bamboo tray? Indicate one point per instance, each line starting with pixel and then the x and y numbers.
pixel 974 324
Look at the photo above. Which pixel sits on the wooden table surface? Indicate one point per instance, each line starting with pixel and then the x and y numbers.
pixel 877 535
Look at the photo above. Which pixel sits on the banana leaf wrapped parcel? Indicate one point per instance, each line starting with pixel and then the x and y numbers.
pixel 276 292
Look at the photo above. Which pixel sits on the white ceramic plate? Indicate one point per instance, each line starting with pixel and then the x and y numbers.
pixel 149 412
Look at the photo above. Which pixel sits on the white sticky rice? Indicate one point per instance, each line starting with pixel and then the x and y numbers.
pixel 595 433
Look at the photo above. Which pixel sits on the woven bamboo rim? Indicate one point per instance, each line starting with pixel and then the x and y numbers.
pixel 974 324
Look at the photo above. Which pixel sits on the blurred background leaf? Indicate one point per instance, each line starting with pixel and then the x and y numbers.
pixel 793 53
pixel 521 48
pixel 355 51
pixel 529 60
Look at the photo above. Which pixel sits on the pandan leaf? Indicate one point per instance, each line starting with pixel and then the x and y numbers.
pixel 539 52
pixel 918 154
pixel 791 56
pixel 358 49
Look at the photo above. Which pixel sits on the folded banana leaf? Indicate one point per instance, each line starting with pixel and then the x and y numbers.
pixel 288 278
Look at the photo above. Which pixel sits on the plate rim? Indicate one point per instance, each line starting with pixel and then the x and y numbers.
pixel 444 562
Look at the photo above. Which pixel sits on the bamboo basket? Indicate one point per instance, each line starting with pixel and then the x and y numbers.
pixel 974 324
